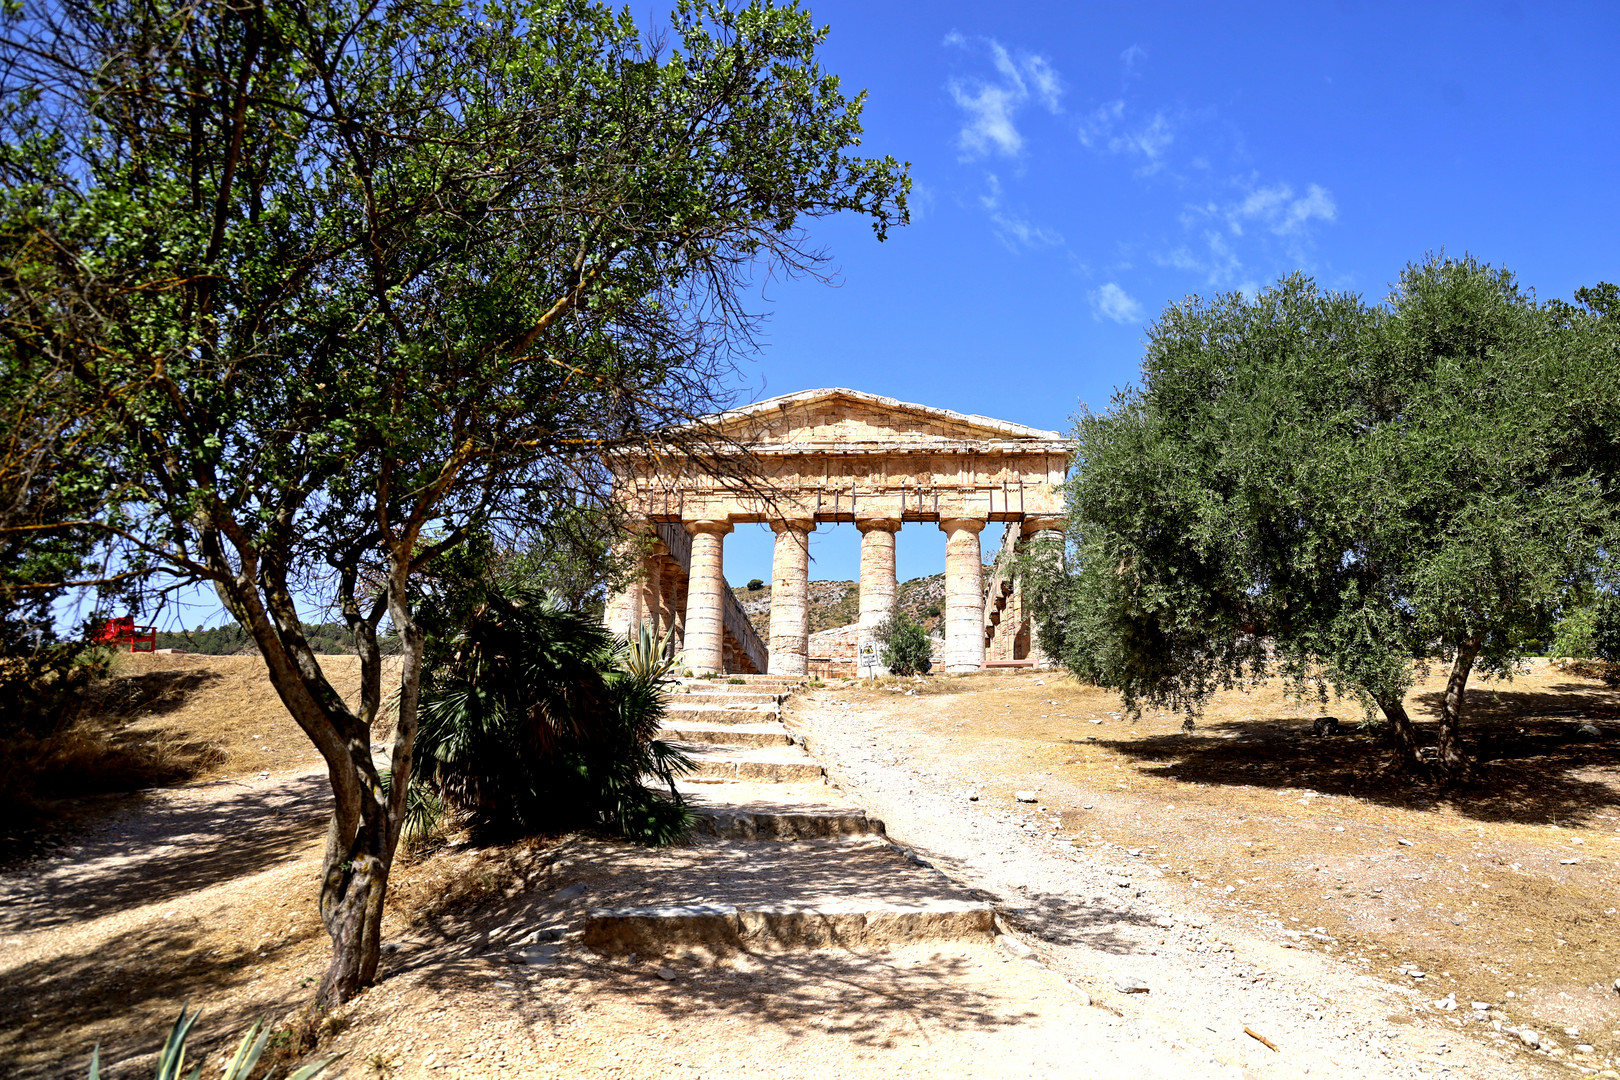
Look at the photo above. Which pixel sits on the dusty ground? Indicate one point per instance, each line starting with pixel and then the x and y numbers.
pixel 1503 893
pixel 205 893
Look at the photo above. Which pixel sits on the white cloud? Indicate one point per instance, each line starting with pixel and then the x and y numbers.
pixel 1014 232
pixel 1131 57
pixel 1277 209
pixel 1113 302
pixel 1106 130
pixel 991 105
pixel 1284 223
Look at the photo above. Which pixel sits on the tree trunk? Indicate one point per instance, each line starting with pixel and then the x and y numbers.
pixel 1454 760
pixel 366 821
pixel 1402 734
pixel 354 877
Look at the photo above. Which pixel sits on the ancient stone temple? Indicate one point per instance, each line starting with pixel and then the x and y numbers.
pixel 830 456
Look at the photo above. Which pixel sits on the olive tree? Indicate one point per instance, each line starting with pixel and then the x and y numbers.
pixel 338 284
pixel 1340 492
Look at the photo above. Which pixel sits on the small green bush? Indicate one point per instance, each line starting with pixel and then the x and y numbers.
pixel 755 584
pixel 904 645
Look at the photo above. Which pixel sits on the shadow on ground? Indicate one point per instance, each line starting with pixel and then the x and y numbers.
pixel 123 995
pixel 167 845
pixel 1535 765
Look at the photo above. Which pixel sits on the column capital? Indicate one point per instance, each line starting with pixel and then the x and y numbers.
pixel 807 525
pixel 1041 523
pixel 878 524
pixel 973 525
pixel 718 528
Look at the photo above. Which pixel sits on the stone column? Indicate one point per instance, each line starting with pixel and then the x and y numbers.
pixel 705 598
pixel 652 590
pixel 1043 539
pixel 790 598
pixel 964 594
pixel 877 577
pixel 622 613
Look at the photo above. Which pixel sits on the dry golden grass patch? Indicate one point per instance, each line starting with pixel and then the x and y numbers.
pixel 1507 883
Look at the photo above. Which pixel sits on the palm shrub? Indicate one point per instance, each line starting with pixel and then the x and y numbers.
pixel 906 649
pixel 536 719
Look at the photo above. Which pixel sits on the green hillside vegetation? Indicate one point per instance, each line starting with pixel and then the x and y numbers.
pixel 231 640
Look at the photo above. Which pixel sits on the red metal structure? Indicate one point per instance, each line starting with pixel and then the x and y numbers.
pixel 125 632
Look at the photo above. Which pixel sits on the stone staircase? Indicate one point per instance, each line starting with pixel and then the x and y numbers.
pixel 782 860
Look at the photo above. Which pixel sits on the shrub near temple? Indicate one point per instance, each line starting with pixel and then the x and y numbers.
pixel 905 647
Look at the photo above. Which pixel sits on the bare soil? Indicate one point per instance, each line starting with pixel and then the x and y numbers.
pixel 205 893
pixel 1503 891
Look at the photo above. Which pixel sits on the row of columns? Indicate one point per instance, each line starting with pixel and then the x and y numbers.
pixel 790 590
pixel 703 632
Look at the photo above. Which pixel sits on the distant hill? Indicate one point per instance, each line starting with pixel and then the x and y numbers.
pixel 838 603
pixel 330 639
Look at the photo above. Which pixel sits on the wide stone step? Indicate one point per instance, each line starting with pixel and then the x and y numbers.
pixel 786 824
pixel 752 734
pixel 704 697
pixel 775 764
pixel 678 714
pixel 846 924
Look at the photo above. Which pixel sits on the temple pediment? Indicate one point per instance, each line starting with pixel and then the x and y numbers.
pixel 839 418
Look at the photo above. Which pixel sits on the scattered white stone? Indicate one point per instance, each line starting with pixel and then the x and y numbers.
pixel 973 796
pixel 1165 921
pixel 1096 719
pixel 1135 851
pixel 1572 1032
pixel 1130 986
pixel 1014 946
pixel 1026 796
pixel 1590 731
pixel 667 974
pixel 1482 1006
pixel 1087 806
pixel 1529 1038
pixel 1403 841
pixel 1447 1003
pixel 1568 862
pixel 1123 882
pixel 1583 1048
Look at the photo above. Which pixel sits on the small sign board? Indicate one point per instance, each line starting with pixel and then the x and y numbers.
pixel 868 655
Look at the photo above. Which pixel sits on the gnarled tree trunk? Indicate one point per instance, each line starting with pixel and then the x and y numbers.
pixel 1454 761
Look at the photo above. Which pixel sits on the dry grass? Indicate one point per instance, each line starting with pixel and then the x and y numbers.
pixel 1509 883
pixel 158 720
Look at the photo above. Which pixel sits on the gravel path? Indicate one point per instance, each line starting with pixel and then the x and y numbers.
pixel 1108 919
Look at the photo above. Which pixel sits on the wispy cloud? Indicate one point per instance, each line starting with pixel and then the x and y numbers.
pixel 1130 58
pixel 1277 209
pixel 1284 227
pixel 1113 302
pixel 1108 129
pixel 990 105
pixel 1016 233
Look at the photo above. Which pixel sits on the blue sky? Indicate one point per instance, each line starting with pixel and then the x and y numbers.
pixel 1079 166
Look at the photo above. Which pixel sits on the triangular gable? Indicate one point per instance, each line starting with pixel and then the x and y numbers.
pixel 839 416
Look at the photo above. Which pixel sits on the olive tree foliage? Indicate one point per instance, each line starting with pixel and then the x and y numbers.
pixel 334 285
pixel 1341 493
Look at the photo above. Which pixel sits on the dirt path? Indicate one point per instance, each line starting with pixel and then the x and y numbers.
pixel 1109 913
pixel 205 894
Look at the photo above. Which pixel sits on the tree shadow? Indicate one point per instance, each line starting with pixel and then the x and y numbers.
pixel 125 993
pixel 167 844
pixel 1534 765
